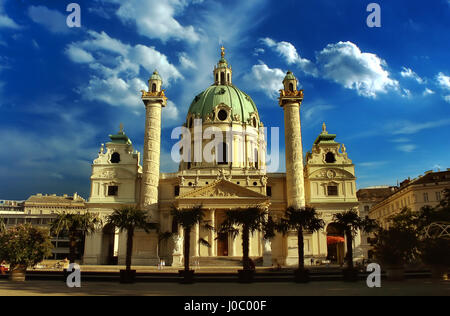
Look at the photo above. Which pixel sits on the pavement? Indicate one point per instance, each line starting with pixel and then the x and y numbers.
pixel 410 287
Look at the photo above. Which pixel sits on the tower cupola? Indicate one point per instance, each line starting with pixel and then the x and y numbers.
pixel 290 82
pixel 155 82
pixel 222 71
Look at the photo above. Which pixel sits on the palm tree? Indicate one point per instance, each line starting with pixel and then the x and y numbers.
pixel 75 225
pixel 130 218
pixel 300 220
pixel 188 218
pixel 250 220
pixel 350 222
pixel 2 225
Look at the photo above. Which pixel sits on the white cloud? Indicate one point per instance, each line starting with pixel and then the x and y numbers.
pixel 156 19
pixel 114 91
pixel 345 64
pixel 5 21
pixel 443 81
pixel 407 127
pixel 406 93
pixel 78 54
pixel 447 98
pixel 53 20
pixel 185 62
pixel 427 92
pixel 409 73
pixel 258 51
pixel 407 148
pixel 268 80
pixel 170 114
pixel 290 54
pixel 372 164
pixel 314 113
pixel 400 140
pixel 116 68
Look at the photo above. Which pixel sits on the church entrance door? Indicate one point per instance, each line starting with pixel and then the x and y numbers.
pixel 222 240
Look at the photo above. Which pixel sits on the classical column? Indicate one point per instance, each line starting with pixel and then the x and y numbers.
pixel 154 100
pixel 93 248
pixel 196 252
pixel 290 100
pixel 267 249
pixel 212 250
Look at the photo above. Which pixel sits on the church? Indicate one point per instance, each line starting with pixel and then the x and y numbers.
pixel 235 177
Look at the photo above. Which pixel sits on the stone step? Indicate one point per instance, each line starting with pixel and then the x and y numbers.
pixel 223 261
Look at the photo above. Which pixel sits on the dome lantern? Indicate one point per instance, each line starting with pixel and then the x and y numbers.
pixel 222 71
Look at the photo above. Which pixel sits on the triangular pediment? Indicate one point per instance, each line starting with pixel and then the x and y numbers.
pixel 223 189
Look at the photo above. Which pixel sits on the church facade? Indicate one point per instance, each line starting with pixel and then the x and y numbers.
pixel 234 177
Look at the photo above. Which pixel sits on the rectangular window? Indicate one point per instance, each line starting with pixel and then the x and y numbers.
pixel 176 190
pixel 113 190
pixel 269 191
pixel 425 197
pixel 366 208
pixel 332 190
pixel 438 196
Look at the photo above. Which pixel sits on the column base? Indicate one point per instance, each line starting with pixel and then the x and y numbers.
pixel 291 261
pixel 94 260
pixel 177 260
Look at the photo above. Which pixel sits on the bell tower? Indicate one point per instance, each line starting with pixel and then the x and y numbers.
pixel 290 100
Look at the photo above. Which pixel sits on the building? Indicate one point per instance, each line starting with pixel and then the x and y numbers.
pixel 234 177
pixel 40 210
pixel 368 197
pixel 223 122
pixel 414 194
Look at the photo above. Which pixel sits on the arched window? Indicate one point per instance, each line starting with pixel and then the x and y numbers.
pixel 228 78
pixel 154 87
pixel 222 78
pixel 291 87
pixel 115 158
pixel 255 157
pixel 190 122
pixel 222 154
pixel 329 157
pixel 217 77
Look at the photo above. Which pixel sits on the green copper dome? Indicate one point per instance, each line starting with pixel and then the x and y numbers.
pixel 289 76
pixel 155 76
pixel 241 104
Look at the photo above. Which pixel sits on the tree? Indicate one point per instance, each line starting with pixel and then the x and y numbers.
pixel 2 225
pixel 395 246
pixel 350 222
pixel 187 219
pixel 130 218
pixel 250 220
pixel 300 220
pixel 24 246
pixel 76 226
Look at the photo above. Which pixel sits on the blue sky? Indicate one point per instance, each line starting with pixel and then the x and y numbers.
pixel 384 91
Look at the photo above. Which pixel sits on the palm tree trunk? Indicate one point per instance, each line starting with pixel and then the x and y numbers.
pixel 245 247
pixel 301 250
pixel 130 233
pixel 187 246
pixel 348 235
pixel 72 244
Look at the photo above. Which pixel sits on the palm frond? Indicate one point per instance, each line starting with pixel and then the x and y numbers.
pixel 204 242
